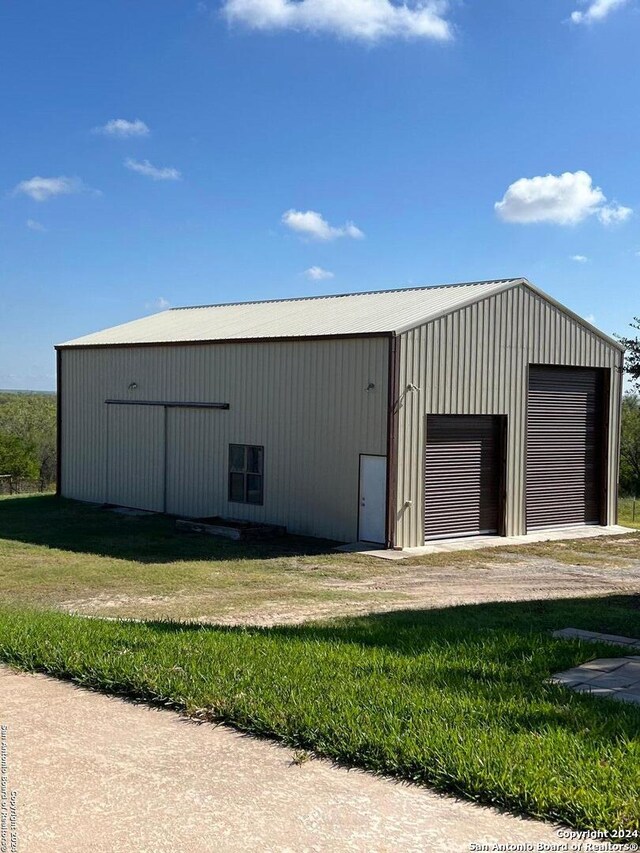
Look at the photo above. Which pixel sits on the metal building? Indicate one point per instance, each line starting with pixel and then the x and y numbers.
pixel 394 417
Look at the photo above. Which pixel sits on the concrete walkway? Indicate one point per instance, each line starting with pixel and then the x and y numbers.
pixel 97 773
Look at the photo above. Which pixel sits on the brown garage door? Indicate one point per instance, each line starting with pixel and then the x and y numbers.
pixel 564 446
pixel 462 475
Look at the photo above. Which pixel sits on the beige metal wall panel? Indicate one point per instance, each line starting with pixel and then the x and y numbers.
pixel 305 401
pixel 135 456
pixel 194 463
pixel 475 361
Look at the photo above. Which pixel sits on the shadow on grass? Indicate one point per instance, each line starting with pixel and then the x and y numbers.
pixel 90 529
pixel 508 625
pixel 496 651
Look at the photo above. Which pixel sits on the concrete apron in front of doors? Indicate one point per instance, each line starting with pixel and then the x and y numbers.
pixel 475 543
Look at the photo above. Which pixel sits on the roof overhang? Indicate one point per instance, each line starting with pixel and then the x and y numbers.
pixel 214 341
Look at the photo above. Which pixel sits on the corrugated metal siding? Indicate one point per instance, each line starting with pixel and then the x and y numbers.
pixel 304 401
pixel 462 475
pixel 564 447
pixel 349 314
pixel 475 361
pixel 195 437
pixel 135 456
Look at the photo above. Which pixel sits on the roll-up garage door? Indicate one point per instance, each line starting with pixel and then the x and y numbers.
pixel 564 446
pixel 462 475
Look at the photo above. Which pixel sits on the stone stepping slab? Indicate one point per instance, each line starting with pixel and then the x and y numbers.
pixel 613 678
pixel 595 637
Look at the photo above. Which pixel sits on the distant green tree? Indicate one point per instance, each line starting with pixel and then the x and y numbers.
pixel 632 356
pixel 17 457
pixel 32 419
pixel 630 446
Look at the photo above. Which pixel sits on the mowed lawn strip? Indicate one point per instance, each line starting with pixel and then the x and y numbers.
pixel 454 698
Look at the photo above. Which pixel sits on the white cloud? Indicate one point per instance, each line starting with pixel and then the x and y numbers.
pixel 318 274
pixel 581 259
pixel 122 128
pixel 612 213
pixel 41 189
pixel 312 224
pixel 596 11
pixel 562 199
pixel 363 20
pixel 158 304
pixel 590 318
pixel 34 225
pixel 144 167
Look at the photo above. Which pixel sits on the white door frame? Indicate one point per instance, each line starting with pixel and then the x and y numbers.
pixel 372 496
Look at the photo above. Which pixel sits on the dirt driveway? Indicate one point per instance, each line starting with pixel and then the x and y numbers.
pixel 511 579
pixel 559 570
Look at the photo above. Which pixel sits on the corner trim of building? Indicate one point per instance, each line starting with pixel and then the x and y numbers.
pixel 58 423
pixel 392 442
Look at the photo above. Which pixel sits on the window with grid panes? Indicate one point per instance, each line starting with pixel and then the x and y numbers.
pixel 246 473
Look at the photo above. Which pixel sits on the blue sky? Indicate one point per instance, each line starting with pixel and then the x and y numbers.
pixel 182 153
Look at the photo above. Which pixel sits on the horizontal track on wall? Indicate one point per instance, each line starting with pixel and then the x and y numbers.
pixel 168 404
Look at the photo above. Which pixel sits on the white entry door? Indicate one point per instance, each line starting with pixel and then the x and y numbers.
pixel 373 498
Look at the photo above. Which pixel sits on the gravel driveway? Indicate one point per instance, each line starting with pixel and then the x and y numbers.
pixel 97 773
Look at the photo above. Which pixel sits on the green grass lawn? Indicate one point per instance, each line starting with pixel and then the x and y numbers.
pixel 454 698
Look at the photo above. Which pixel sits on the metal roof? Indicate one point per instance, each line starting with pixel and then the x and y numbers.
pixel 382 311
pixel 374 312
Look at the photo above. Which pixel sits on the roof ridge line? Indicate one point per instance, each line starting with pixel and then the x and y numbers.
pixel 351 293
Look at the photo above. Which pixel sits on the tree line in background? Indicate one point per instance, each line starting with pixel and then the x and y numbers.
pixel 630 438
pixel 28 439
pixel 28 431
pixel 630 446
